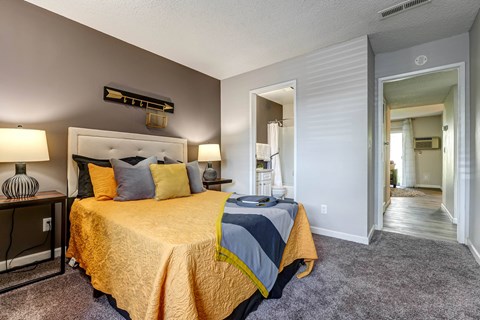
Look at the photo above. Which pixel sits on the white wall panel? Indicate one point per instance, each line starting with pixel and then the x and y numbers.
pixel 448 148
pixel 371 133
pixel 475 120
pixel 332 133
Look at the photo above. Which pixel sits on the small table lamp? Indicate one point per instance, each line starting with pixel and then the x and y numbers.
pixel 22 145
pixel 209 153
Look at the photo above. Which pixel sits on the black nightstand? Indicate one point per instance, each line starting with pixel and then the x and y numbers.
pixel 41 198
pixel 215 182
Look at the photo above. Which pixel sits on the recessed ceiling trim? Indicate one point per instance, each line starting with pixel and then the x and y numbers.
pixel 401 7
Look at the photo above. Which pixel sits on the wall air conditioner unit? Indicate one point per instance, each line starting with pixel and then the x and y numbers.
pixel 429 143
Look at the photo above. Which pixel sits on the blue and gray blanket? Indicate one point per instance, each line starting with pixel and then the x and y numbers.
pixel 253 238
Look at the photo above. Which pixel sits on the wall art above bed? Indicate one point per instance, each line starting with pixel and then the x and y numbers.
pixel 155 108
pixel 136 100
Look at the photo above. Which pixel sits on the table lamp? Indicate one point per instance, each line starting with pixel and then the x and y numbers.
pixel 208 153
pixel 20 146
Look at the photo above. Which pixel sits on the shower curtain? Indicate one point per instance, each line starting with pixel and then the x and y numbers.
pixel 273 132
pixel 408 159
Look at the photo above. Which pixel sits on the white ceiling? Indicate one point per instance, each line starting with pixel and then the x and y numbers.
pixel 416 112
pixel 281 96
pixel 224 38
pixel 421 90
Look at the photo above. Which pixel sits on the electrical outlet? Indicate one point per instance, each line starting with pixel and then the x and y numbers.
pixel 323 209
pixel 47 222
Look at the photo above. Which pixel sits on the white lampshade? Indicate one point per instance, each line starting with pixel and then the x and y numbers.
pixel 23 145
pixel 209 152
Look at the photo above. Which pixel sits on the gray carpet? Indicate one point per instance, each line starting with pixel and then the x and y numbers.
pixel 396 277
pixel 25 274
pixel 66 297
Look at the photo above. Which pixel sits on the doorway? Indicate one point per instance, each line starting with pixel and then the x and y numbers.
pixel 273 140
pixel 458 133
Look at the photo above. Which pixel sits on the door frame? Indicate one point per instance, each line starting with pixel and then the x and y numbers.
pixel 253 130
pixel 462 155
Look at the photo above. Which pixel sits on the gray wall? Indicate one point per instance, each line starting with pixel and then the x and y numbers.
pixel 267 110
pixel 448 147
pixel 428 163
pixel 475 145
pixel 332 133
pixel 52 73
pixel 439 53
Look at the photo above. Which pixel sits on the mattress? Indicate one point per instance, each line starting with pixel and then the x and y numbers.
pixel 157 258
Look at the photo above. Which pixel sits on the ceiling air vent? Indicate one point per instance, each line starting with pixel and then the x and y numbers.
pixel 401 7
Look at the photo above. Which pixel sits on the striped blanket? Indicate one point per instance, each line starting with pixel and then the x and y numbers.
pixel 253 239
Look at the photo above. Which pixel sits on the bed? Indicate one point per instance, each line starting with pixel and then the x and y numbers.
pixel 157 258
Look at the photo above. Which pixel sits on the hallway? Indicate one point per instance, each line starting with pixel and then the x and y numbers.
pixel 420 217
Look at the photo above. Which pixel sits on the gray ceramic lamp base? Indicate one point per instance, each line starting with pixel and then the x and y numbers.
pixel 209 174
pixel 20 185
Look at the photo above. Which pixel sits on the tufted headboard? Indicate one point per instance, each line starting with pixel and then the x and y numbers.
pixel 101 144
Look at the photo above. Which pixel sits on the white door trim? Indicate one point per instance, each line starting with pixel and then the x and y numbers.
pixel 253 130
pixel 462 156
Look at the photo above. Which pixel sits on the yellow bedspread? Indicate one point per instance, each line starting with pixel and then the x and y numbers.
pixel 157 258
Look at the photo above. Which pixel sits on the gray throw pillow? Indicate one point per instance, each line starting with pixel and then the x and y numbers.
pixel 134 182
pixel 193 172
pixel 194 177
pixel 168 160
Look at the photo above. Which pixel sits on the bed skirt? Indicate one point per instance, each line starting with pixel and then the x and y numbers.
pixel 246 307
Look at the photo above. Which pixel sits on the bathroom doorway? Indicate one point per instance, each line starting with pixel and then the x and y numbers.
pixel 273 142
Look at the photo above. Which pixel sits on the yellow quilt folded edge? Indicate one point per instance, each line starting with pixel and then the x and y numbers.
pixel 229 257
pixel 223 254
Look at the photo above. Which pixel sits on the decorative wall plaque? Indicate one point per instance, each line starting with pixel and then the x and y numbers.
pixel 136 100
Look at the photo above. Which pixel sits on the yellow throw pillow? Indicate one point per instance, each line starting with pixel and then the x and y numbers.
pixel 103 182
pixel 171 181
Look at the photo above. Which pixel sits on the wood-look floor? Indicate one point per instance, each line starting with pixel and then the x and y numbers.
pixel 420 217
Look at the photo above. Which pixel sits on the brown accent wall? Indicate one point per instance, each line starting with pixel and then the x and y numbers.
pixel 52 73
pixel 267 110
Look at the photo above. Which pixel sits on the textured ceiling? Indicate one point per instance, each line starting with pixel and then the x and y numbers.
pixel 422 90
pixel 224 38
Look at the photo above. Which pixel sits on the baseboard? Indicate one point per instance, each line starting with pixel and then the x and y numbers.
pixel 450 216
pixel 340 235
pixel 428 186
pixel 20 261
pixel 474 251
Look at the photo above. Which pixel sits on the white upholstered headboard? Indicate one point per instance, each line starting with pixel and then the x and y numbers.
pixel 101 144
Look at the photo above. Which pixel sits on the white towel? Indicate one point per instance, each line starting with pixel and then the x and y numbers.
pixel 263 151
pixel 273 135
